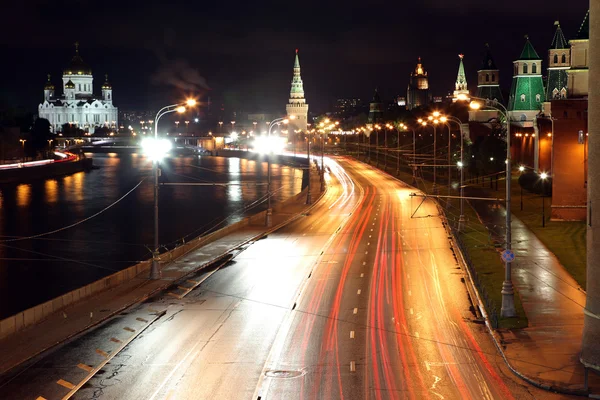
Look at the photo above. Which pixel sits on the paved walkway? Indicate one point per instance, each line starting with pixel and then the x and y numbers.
pixel 65 324
pixel 547 351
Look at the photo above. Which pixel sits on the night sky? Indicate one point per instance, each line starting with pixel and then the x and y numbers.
pixel 242 52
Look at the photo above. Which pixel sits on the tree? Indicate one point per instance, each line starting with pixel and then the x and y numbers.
pixel 71 130
pixel 40 134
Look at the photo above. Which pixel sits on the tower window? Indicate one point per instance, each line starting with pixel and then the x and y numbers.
pixel 564 58
pixel 487 77
pixel 522 98
pixel 493 77
pixel 524 68
pixel 516 69
pixel 556 59
pixel 534 68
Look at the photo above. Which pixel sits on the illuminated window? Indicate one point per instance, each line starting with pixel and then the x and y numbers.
pixel 524 68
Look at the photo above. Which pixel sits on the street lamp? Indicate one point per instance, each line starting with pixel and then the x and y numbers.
pixel 543 177
pixel 220 126
pixel 277 121
pixel 156 149
pixel 460 164
pixel 23 146
pixel 521 169
pixel 508 294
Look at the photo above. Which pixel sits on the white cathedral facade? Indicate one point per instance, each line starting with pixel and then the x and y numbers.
pixel 78 105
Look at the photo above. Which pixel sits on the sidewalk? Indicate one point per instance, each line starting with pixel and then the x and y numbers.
pixel 75 319
pixel 547 351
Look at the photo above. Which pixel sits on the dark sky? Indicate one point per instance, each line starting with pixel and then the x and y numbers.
pixel 244 50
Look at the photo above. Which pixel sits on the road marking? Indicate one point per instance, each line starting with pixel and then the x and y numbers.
pixel 410 293
pixel 66 384
pixel 362 275
pixel 352 366
pixel 351 334
pixel 373 223
pixel 358 291
pixel 112 339
pixel 369 235
pixel 367 252
pixel 368 243
pixel 141 320
pixel 128 329
pixel 355 310
pixel 372 228
pixel 411 311
pixel 85 367
pixel 364 263
pixel 417 335
pixel 408 276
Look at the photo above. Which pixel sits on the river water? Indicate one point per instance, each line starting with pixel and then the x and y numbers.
pixel 35 270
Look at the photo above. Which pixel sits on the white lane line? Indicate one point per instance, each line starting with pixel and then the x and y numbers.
pixel 369 235
pixel 372 228
pixel 364 263
pixel 408 276
pixel 410 293
pixel 358 291
pixel 417 335
pixel 368 243
pixel 411 311
pixel 362 275
pixel 351 334
pixel 352 366
pixel 367 252
pixel 355 310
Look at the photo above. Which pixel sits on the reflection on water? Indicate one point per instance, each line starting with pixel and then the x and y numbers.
pixel 119 237
pixel 23 195
pixel 51 193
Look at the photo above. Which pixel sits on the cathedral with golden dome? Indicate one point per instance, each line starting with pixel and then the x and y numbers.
pixel 78 106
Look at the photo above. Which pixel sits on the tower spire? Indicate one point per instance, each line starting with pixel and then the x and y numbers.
pixel 297 106
pixel 460 86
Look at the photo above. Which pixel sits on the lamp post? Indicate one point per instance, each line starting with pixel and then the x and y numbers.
pixel 23 147
pixel 460 164
pixel 220 126
pixel 308 195
pixel 508 294
pixel 277 121
pixel 156 150
pixel 377 128
pixel 543 177
pixel 521 169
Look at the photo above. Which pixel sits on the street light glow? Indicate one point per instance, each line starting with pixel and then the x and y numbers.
pixel 460 164
pixel 156 149
pixel 475 105
pixel 191 102
pixel 181 109
pixel 521 168
pixel 543 175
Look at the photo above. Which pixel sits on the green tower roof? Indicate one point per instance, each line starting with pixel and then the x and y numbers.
pixel 529 52
pixel 461 79
pixel 559 41
pixel 584 29
pixel 297 61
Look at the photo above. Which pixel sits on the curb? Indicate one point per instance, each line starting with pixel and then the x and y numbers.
pixel 491 331
pixel 163 287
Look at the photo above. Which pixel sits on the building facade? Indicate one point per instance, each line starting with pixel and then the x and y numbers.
pixel 78 105
pixel 488 78
pixel 297 106
pixel 577 74
pixel 418 94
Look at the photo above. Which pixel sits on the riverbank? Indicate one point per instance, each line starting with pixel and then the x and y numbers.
pixel 56 169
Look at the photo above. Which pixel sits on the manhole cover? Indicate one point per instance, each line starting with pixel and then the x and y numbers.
pixel 278 373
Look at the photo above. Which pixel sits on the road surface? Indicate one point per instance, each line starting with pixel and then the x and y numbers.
pixel 358 300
